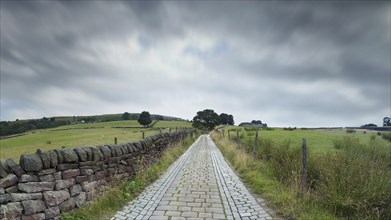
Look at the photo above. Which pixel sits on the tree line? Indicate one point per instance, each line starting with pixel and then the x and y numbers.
pixel 16 127
pixel 208 119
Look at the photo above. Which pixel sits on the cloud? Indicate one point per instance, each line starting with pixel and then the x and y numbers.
pixel 285 63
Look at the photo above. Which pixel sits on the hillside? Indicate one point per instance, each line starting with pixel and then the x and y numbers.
pixel 86 134
pixel 21 126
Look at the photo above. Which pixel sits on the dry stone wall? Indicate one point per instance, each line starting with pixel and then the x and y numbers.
pixel 47 183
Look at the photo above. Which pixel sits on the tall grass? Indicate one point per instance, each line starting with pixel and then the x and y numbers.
pixel 259 175
pixel 352 182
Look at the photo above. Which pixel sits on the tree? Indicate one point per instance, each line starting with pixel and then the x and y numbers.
pixel 144 118
pixel 125 116
pixel 368 125
pixel 386 121
pixel 223 118
pixel 206 120
pixel 256 122
pixel 230 120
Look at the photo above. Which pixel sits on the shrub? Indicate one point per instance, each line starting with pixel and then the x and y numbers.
pixel 350 131
pixel 386 136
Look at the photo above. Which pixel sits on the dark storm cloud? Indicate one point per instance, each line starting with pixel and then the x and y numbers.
pixel 259 58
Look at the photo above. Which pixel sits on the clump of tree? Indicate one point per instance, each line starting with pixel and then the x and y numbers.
pixel 370 125
pixel 125 116
pixel 386 121
pixel 208 119
pixel 20 126
pixel 144 118
pixel 253 123
pixel 226 119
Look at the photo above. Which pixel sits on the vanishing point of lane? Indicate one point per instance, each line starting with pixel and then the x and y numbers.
pixel 199 185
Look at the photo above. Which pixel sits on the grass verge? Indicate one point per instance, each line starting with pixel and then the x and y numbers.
pixel 115 198
pixel 259 177
pixel 350 180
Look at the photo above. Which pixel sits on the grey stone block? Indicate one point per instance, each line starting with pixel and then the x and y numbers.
pixel 12 189
pixel 81 153
pixel 66 174
pixel 36 186
pixel 33 206
pixel 4 170
pixel 28 178
pixel 38 216
pixel 105 151
pixel 45 157
pixel 75 190
pixel 14 167
pixel 69 155
pixel 68 205
pixel 11 210
pixel 8 181
pixel 80 199
pixel 5 198
pixel 53 159
pixel 96 154
pixel 31 162
pixel 47 178
pixel 52 212
pixel 17 197
pixel 54 198
pixel 46 172
pixel 64 184
pixel 60 158
pixel 67 166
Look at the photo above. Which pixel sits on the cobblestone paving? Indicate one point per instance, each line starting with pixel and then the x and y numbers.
pixel 199 185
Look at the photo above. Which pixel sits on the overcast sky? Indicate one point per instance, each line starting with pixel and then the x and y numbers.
pixel 308 63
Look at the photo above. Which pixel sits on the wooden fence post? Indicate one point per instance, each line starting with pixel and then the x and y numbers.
pixel 169 130
pixel 229 136
pixel 237 138
pixel 255 144
pixel 115 140
pixel 143 135
pixel 223 133
pixel 304 168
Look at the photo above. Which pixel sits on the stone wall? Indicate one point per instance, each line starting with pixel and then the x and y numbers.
pixel 46 183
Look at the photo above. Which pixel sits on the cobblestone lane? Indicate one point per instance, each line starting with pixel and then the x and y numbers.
pixel 199 185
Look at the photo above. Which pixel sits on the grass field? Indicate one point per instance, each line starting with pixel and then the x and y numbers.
pixel 348 173
pixel 318 140
pixel 92 134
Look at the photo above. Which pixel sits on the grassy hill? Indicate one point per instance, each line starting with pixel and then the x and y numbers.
pixel 8 128
pixel 87 134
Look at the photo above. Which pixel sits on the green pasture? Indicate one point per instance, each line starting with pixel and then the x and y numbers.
pixel 91 134
pixel 318 140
